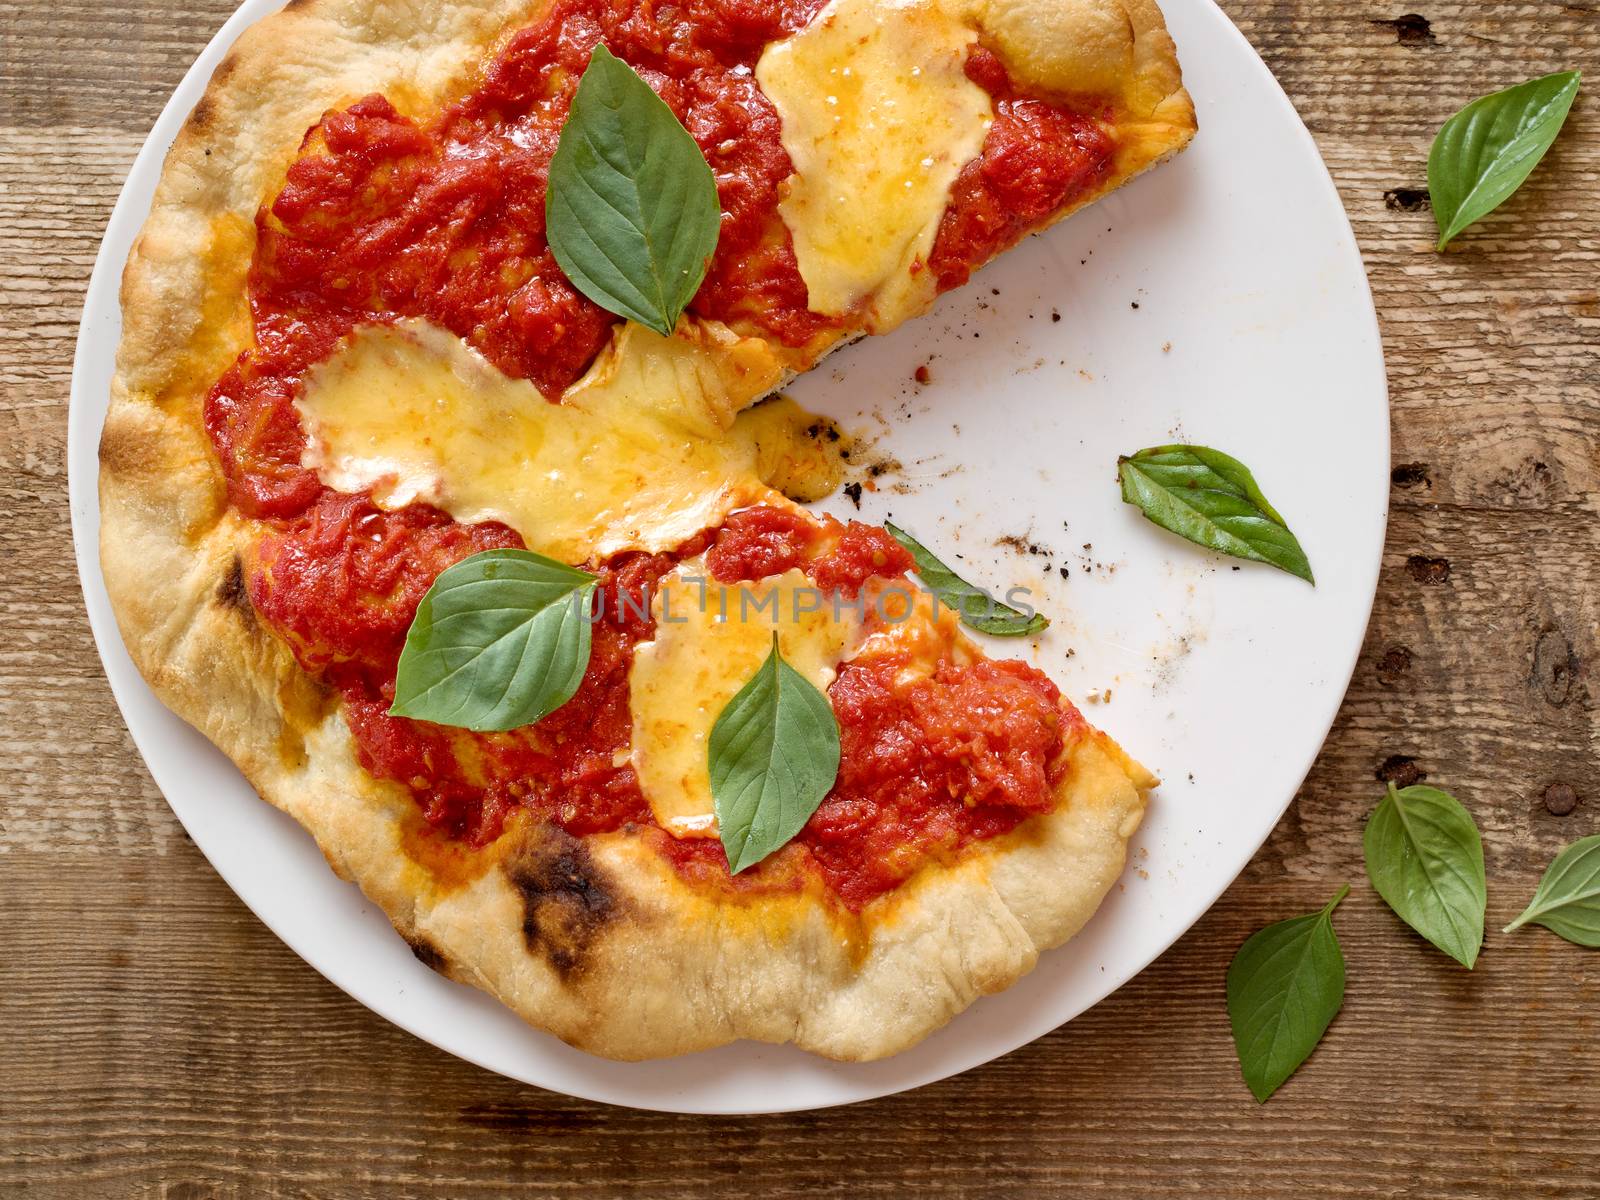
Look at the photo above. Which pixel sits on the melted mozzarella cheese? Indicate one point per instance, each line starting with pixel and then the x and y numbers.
pixel 710 639
pixel 915 628
pixel 646 450
pixel 878 118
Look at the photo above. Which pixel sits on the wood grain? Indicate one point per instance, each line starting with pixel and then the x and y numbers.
pixel 160 1042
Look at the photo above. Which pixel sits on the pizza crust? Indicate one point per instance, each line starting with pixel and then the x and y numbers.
pixel 598 941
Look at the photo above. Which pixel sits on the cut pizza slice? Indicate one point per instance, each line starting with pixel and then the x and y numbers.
pixel 351 360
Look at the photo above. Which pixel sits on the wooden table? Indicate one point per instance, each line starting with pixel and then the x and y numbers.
pixel 157 1040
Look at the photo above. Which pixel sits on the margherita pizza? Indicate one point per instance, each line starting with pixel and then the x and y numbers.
pixel 486 560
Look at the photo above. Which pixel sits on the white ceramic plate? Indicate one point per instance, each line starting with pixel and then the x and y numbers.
pixel 1220 300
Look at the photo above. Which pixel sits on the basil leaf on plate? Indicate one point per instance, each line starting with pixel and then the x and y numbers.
pixel 773 756
pixel 1284 988
pixel 1567 901
pixel 1425 858
pixel 976 607
pixel 500 640
pixel 1211 499
pixel 1483 153
pixel 631 209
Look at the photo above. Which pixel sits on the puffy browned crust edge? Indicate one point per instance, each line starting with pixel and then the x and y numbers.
pixel 597 941
pixel 1155 117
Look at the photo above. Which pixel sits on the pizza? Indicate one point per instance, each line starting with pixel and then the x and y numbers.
pixel 357 363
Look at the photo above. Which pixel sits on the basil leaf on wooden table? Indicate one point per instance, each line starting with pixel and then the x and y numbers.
pixel 500 640
pixel 1425 858
pixel 987 614
pixel 1485 152
pixel 773 756
pixel 1567 901
pixel 631 208
pixel 1211 499
pixel 1284 987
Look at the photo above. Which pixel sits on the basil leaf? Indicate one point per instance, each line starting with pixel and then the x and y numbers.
pixel 773 754
pixel 1567 901
pixel 976 607
pixel 500 640
pixel 1483 153
pixel 1425 858
pixel 1284 987
pixel 631 209
pixel 1211 499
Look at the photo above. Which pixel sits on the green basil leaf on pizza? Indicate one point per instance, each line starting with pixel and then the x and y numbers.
pixel 976 607
pixel 631 208
pixel 773 756
pixel 1212 500
pixel 500 640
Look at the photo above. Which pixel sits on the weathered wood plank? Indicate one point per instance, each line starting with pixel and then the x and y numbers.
pixel 235 1063
pixel 160 1042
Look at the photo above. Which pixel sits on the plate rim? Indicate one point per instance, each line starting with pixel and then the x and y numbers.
pixel 128 687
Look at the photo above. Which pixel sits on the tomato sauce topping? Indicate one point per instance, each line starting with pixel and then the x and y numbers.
pixel 387 215
pixel 1036 157
pixel 757 542
pixel 926 766
pixel 342 583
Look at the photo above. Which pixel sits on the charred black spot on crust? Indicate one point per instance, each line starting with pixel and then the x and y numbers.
pixel 429 955
pixel 566 900
pixel 204 113
pixel 232 592
pixel 123 450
